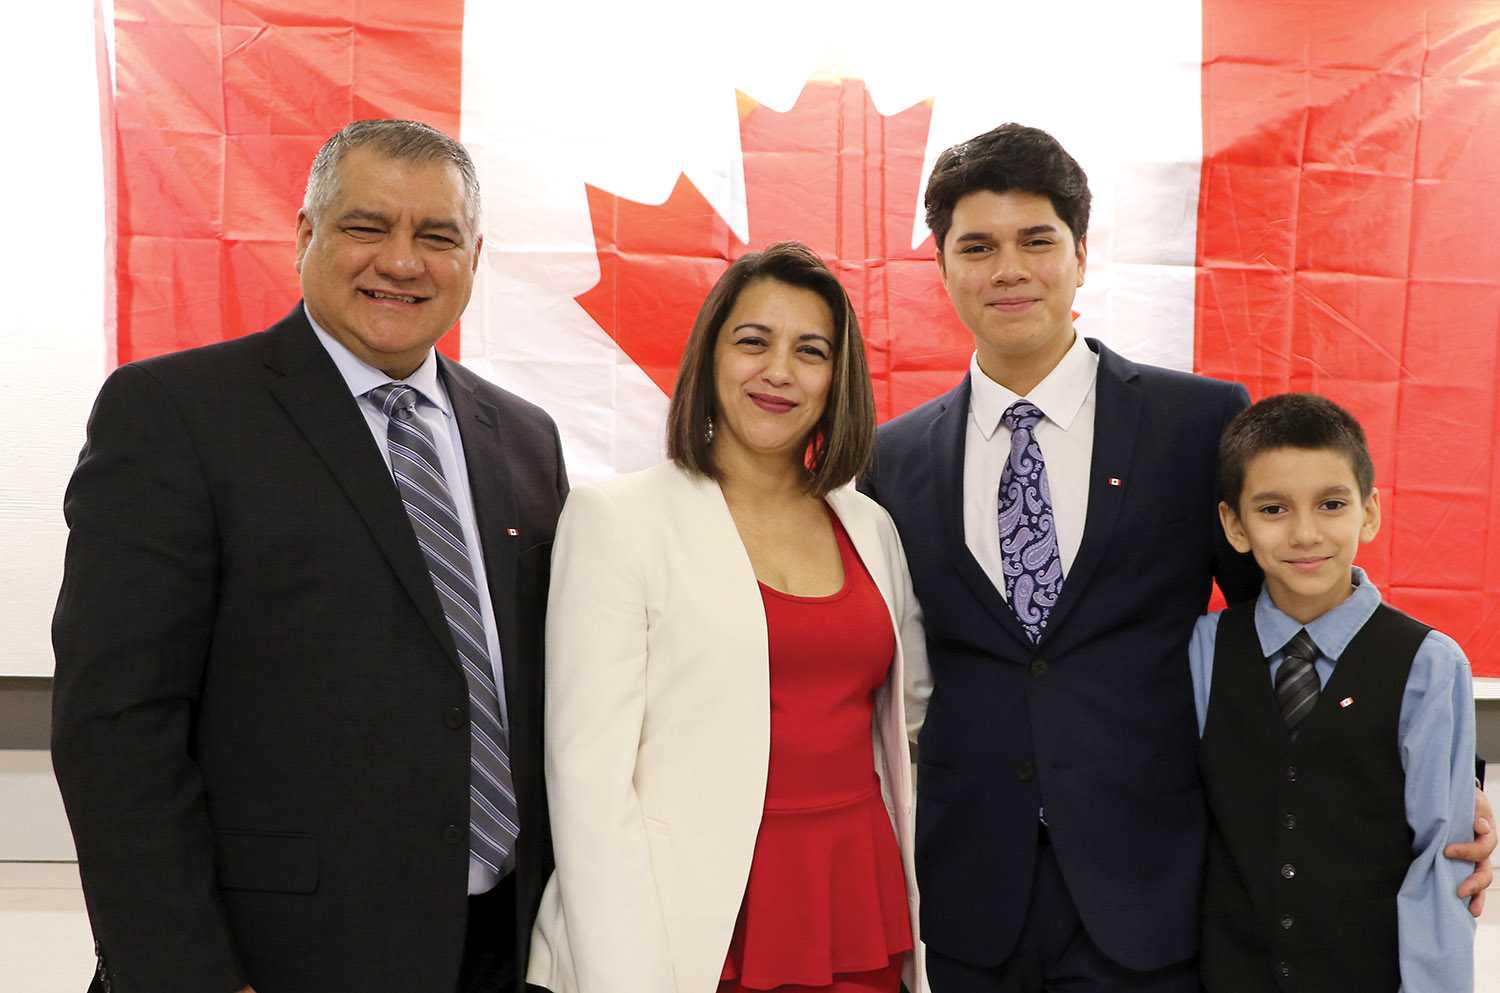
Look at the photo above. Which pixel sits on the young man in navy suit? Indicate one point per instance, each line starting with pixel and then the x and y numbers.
pixel 1057 509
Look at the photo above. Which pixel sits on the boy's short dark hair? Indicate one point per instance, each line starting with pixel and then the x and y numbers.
pixel 1010 157
pixel 1291 420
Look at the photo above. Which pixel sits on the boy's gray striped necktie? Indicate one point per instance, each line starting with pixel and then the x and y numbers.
pixel 1297 684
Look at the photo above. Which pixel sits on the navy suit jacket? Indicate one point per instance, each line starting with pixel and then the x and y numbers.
pixel 1096 722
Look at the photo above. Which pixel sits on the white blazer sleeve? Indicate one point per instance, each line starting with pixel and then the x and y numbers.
pixel 597 660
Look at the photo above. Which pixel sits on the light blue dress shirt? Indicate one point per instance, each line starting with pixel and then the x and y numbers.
pixel 1435 734
pixel 436 412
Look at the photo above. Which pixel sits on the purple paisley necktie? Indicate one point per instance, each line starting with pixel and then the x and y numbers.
pixel 1028 534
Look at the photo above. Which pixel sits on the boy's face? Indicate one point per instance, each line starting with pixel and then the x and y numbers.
pixel 1300 514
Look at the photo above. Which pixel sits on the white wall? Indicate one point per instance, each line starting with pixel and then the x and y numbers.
pixel 52 327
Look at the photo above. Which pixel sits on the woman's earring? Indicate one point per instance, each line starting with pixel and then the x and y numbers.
pixel 708 430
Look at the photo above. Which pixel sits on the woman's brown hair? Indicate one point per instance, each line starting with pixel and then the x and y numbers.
pixel 841 442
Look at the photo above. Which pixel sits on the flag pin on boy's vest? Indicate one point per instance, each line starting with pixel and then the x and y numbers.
pixel 1347 701
pixel 1114 480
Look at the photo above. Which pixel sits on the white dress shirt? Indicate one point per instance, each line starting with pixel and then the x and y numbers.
pixel 1066 437
pixel 434 410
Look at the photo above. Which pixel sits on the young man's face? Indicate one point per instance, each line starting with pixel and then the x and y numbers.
pixel 1011 267
pixel 1301 515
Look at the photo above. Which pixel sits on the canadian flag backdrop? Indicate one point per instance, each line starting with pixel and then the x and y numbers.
pixel 1298 195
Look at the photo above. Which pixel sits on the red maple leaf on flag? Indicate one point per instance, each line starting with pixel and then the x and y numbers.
pixel 832 172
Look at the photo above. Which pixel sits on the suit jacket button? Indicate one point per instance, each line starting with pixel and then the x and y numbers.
pixel 1288 871
pixel 1038 667
pixel 1289 821
pixel 1025 772
pixel 1287 922
pixel 454 718
pixel 453 834
pixel 1291 774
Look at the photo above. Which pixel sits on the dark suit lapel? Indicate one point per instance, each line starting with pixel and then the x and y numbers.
pixel 491 488
pixel 317 399
pixel 949 441
pixel 1117 413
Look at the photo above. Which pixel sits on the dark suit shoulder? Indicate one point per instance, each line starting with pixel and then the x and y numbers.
pixel 1188 399
pixel 509 404
pixel 225 365
pixel 910 427
pixel 1175 381
pixel 219 357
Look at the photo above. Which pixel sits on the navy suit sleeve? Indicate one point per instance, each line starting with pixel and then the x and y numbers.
pixel 131 633
pixel 562 468
pixel 865 482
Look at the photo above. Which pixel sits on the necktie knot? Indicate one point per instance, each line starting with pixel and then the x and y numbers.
pixel 1023 415
pixel 395 399
pixel 1296 684
pixel 1301 648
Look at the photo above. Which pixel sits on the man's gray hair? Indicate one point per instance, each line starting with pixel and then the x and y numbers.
pixel 405 141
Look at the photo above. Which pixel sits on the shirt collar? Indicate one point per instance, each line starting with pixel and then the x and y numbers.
pixel 1059 396
pixel 361 377
pixel 1331 632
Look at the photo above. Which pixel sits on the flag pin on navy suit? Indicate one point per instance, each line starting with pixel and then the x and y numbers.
pixel 1346 702
pixel 1115 481
pixel 512 532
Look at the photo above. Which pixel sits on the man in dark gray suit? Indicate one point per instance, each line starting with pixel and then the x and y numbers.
pixel 298 700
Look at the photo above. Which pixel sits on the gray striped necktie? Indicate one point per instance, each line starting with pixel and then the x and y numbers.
pixel 493 823
pixel 1297 681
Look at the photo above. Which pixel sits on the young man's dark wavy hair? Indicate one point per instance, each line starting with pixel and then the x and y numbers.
pixel 1291 420
pixel 1011 157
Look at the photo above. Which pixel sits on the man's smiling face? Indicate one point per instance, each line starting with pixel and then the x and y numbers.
pixel 388 266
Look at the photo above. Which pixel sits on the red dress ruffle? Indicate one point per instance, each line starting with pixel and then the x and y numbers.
pixel 825 903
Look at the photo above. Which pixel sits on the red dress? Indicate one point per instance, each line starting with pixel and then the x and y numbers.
pixel 825 905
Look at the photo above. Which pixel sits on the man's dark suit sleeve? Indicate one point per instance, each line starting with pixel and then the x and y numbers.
pixel 562 468
pixel 1238 576
pixel 132 629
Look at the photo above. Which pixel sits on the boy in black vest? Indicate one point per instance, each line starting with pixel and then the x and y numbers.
pixel 1337 736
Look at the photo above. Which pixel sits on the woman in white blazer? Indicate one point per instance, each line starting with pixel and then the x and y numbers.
pixel 671 737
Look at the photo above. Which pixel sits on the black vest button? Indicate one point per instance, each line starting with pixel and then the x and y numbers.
pixel 1291 774
pixel 454 718
pixel 1289 821
pixel 1038 667
pixel 453 834
pixel 1288 871
pixel 1283 970
pixel 1025 772
pixel 1287 922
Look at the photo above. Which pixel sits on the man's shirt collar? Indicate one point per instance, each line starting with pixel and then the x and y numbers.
pixel 1331 632
pixel 1059 396
pixel 361 377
